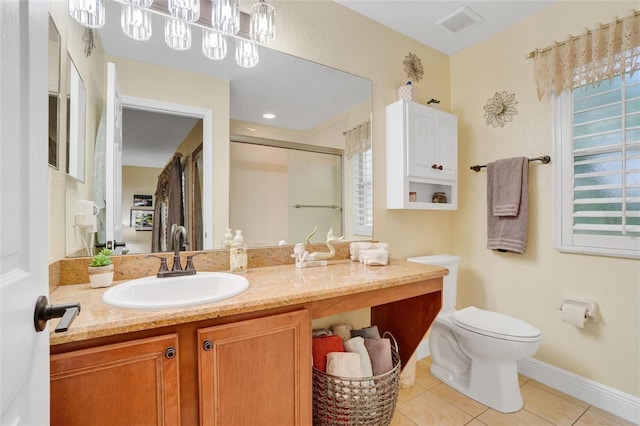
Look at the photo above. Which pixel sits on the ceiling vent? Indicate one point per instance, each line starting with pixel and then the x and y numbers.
pixel 462 19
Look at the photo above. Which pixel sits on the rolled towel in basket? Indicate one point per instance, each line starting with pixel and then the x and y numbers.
pixel 344 364
pixel 342 330
pixel 380 354
pixel 356 344
pixel 321 346
pixel 367 332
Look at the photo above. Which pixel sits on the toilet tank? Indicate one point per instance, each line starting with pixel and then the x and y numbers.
pixel 450 282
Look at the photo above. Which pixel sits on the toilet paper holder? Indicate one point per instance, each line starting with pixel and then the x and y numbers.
pixel 590 305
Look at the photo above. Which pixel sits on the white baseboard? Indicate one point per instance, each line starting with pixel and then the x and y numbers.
pixel 604 397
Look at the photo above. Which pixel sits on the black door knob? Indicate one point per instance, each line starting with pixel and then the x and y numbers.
pixel 44 312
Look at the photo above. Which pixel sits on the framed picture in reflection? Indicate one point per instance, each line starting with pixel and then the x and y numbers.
pixel 142 220
pixel 141 200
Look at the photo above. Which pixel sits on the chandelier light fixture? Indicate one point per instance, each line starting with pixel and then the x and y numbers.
pixel 225 16
pixel 136 23
pixel 186 10
pixel 214 44
pixel 246 53
pixel 177 33
pixel 88 13
pixel 262 27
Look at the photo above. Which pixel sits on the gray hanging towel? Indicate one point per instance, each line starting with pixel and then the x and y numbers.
pixel 507 183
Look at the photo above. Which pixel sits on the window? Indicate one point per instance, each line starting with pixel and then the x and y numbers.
pixel 363 193
pixel 597 174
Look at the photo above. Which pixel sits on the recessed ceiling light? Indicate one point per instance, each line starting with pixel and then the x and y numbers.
pixel 268 116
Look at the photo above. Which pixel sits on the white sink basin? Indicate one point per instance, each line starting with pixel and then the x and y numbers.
pixel 173 292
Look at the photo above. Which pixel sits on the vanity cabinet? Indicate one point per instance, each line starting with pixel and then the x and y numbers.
pixel 232 371
pixel 256 372
pixel 128 383
pixel 422 157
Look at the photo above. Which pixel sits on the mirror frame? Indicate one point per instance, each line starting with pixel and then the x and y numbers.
pixel 206 115
pixel 77 117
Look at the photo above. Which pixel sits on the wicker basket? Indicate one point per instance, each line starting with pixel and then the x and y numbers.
pixel 368 401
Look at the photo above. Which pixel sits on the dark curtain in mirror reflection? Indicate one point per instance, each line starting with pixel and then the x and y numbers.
pixel 169 201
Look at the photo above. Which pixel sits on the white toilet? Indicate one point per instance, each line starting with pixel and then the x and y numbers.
pixel 476 351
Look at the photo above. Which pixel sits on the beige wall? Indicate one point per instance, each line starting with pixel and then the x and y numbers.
pixel 531 286
pixel 137 180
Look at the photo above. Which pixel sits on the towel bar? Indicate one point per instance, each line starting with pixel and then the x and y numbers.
pixel 544 159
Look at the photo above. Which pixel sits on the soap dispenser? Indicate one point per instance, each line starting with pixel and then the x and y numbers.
pixel 238 254
pixel 227 241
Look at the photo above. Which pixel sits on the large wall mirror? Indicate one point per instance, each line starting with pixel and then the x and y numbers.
pixel 315 106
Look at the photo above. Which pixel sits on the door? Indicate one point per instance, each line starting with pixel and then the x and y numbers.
pixel 113 165
pixel 24 353
pixel 256 372
pixel 420 150
pixel 129 383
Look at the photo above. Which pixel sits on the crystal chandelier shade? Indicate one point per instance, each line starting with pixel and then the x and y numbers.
pixel 177 34
pixel 88 13
pixel 142 4
pixel 135 22
pixel 187 10
pixel 214 44
pixel 262 27
pixel 225 16
pixel 246 53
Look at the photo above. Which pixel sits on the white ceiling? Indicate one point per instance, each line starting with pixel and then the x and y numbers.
pixel 418 18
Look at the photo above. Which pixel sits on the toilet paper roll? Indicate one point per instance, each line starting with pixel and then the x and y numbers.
pixel 574 314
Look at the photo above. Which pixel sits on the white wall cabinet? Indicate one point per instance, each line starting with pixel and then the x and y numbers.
pixel 422 156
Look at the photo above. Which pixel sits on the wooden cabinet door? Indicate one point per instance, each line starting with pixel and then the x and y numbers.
pixel 256 372
pixel 131 383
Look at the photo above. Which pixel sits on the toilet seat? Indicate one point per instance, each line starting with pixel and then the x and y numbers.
pixel 496 325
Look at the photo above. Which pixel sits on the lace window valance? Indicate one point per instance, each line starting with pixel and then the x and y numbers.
pixel 357 140
pixel 597 55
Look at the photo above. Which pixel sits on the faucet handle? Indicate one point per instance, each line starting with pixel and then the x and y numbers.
pixel 190 266
pixel 163 263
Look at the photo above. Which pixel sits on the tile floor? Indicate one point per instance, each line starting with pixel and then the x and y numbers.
pixel 431 402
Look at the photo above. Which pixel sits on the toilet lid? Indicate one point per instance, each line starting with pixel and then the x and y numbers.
pixel 494 324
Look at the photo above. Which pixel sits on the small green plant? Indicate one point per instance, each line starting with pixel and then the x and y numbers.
pixel 101 259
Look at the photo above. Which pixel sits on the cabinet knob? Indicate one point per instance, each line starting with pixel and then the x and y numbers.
pixel 435 166
pixel 207 345
pixel 170 352
pixel 440 167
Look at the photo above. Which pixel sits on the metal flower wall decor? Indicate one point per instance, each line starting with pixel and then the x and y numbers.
pixel 500 109
pixel 413 67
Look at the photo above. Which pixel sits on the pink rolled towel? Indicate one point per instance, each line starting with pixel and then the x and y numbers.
pixel 380 355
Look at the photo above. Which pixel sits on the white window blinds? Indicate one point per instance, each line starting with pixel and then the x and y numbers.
pixel 598 136
pixel 363 193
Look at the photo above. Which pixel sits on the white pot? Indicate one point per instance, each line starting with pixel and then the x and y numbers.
pixel 101 276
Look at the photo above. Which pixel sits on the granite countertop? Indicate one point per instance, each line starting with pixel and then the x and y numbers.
pixel 270 287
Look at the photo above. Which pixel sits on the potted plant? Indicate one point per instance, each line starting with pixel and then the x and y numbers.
pixel 101 269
